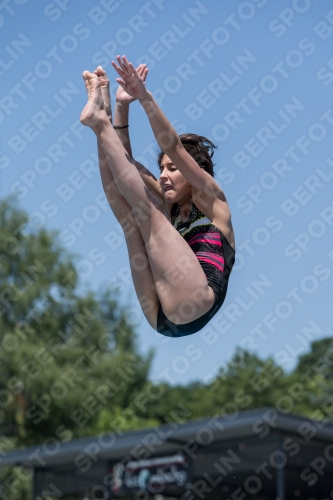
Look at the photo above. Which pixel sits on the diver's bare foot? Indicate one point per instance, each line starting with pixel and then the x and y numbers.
pixel 93 114
pixel 104 84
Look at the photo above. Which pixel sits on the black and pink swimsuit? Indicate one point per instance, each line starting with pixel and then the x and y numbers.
pixel 216 258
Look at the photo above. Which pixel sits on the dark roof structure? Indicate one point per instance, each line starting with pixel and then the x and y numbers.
pixel 275 453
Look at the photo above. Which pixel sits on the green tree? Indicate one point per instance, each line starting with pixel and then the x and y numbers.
pixel 312 380
pixel 246 382
pixel 65 355
pixel 69 359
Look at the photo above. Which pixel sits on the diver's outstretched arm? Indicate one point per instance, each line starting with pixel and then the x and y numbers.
pixel 207 193
pixel 164 132
pixel 121 113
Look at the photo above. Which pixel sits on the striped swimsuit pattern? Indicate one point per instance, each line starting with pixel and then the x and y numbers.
pixel 205 239
pixel 216 258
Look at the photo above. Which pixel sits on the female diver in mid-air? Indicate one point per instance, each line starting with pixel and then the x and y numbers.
pixel 178 229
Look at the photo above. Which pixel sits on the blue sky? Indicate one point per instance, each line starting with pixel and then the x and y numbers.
pixel 254 76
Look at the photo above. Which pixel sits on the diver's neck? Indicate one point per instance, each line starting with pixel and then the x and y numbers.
pixel 184 209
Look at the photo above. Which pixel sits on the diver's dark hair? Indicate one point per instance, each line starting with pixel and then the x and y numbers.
pixel 200 148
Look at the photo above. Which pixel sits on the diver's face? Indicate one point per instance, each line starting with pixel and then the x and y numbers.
pixel 175 187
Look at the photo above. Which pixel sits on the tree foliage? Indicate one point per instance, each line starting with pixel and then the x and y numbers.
pixel 66 356
pixel 248 382
pixel 313 377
